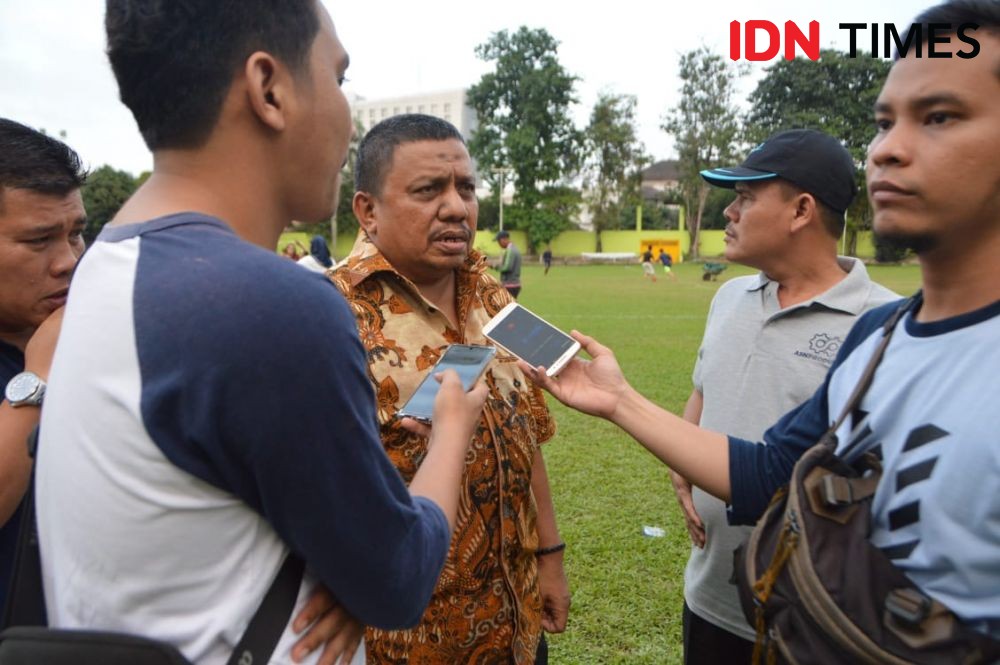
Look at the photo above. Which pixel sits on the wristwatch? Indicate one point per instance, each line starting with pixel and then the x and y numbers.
pixel 25 389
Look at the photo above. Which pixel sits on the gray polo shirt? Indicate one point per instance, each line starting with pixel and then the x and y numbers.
pixel 757 362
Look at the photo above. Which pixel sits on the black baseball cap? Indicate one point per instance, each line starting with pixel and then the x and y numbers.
pixel 815 162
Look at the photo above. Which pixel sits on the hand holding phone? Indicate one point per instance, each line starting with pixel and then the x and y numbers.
pixel 468 361
pixel 455 406
pixel 532 339
pixel 456 414
pixel 596 387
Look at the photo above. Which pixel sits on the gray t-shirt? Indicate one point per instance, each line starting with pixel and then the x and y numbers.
pixel 757 362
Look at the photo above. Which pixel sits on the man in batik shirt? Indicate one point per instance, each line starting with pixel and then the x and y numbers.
pixel 415 286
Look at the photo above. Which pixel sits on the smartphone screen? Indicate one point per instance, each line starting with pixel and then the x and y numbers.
pixel 467 360
pixel 530 338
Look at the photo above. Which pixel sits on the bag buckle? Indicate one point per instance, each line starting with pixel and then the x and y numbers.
pixel 836 493
pixel 908 606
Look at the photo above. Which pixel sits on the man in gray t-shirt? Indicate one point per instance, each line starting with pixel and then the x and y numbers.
pixel 768 343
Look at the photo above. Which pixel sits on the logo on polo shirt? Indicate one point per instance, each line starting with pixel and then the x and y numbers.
pixel 825 345
pixel 822 348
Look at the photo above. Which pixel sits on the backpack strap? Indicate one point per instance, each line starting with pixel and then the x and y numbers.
pixel 869 372
pixel 267 625
pixel 838 490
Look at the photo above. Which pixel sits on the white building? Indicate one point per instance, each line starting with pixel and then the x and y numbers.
pixel 448 105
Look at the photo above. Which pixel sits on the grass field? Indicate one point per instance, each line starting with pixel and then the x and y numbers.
pixel 627 588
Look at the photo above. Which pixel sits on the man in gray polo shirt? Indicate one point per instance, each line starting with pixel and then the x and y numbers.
pixel 769 341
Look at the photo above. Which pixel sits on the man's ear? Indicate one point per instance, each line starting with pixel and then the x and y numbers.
pixel 364 209
pixel 269 89
pixel 805 212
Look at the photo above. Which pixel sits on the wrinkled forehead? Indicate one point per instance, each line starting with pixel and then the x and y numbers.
pixel 444 155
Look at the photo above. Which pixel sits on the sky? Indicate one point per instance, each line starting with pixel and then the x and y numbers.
pixel 54 74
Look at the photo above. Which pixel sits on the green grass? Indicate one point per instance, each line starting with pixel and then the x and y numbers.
pixel 627 588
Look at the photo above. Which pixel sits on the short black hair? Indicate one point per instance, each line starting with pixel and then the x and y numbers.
pixel 833 221
pixel 376 148
pixel 984 13
pixel 31 160
pixel 175 59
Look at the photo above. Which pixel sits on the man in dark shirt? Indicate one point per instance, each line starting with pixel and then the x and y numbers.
pixel 668 262
pixel 41 227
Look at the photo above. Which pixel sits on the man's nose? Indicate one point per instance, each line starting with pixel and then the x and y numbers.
pixel 454 206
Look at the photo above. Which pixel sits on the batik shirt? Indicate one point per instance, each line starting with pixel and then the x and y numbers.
pixel 486 607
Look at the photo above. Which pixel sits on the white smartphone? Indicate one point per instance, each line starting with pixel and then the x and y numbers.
pixel 532 339
pixel 468 360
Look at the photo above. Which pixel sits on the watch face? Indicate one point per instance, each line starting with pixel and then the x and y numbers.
pixel 22 386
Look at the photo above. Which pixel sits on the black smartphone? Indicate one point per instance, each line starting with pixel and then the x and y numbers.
pixel 468 360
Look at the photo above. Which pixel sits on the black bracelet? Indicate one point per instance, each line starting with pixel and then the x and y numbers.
pixel 542 551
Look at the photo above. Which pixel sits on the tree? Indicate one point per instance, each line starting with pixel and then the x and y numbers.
pixel 705 127
pixel 104 193
pixel 559 204
pixel 524 121
pixel 615 159
pixel 834 94
pixel 489 213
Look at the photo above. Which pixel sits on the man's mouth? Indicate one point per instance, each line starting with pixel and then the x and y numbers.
pixel 886 191
pixel 452 241
pixel 58 297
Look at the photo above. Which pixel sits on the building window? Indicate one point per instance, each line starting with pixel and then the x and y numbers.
pixel 385 111
pixel 447 108
pixel 420 109
pixel 434 109
pixel 409 109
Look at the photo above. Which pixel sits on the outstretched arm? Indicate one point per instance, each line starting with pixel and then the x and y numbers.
pixel 598 387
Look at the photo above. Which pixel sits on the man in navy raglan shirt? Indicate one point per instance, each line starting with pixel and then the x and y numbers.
pixel 41 227
pixel 179 462
pixel 930 413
